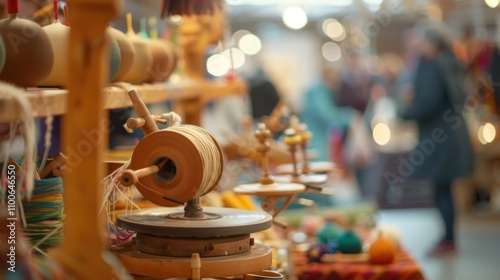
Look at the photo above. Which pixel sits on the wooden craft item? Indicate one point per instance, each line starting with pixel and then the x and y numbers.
pixel 305 136
pixel 292 140
pixel 197 33
pixel 316 167
pixel 160 66
pixel 263 275
pixel 171 222
pixel 259 258
pixel 184 247
pixel 182 176
pixel 142 59
pixel 55 166
pixel 58 35
pixel 263 134
pixel 29 56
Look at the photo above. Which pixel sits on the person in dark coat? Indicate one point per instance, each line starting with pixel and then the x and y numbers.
pixel 444 152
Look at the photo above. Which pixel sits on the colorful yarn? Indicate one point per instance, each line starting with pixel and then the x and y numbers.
pixel 44 213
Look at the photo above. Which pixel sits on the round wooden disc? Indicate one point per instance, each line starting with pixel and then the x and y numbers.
pixel 138 263
pixel 276 189
pixel 185 178
pixel 316 167
pixel 155 221
pixel 304 178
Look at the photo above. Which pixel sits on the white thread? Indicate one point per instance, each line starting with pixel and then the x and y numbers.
pixel 209 154
pixel 173 119
pixel 11 93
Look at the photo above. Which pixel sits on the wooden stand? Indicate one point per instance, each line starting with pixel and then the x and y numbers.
pixel 82 253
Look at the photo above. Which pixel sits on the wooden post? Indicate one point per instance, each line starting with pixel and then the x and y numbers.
pixel 84 139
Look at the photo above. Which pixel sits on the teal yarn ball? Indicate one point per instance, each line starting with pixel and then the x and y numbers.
pixel 114 58
pixel 350 243
pixel 328 232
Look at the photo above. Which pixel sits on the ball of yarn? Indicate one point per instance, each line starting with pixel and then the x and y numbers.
pixel 328 232
pixel 382 251
pixel 349 243
pixel 316 251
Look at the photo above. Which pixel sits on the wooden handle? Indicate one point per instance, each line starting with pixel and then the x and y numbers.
pixel 130 177
pixel 57 163
pixel 143 112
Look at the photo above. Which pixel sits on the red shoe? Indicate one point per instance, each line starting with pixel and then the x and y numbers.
pixel 443 247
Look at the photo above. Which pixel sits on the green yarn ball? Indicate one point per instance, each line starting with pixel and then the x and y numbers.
pixel 350 243
pixel 328 232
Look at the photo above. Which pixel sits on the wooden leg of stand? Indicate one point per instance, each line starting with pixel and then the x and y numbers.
pixel 84 138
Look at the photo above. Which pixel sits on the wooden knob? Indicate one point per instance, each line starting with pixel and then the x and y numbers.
pixel 291 138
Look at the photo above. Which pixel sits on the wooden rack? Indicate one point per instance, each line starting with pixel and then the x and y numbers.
pixel 54 101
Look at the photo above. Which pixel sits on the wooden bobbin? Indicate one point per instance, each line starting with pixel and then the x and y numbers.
pixel 305 135
pixel 263 134
pixel 292 140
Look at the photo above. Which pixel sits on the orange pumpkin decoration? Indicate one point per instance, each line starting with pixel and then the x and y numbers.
pixel 382 251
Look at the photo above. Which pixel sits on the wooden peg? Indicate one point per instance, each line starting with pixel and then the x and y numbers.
pixel 134 123
pixel 263 134
pixel 57 163
pixel 305 135
pixel 130 177
pixel 292 140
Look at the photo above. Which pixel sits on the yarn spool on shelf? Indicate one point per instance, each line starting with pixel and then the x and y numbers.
pixel 142 59
pixel 44 213
pixel 29 60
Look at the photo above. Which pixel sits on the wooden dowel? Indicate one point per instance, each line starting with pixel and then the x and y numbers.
pixel 130 177
pixel 133 123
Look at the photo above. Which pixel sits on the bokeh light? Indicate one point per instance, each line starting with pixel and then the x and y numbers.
pixel 331 51
pixel 381 134
pixel 218 65
pixel 294 17
pixel 250 44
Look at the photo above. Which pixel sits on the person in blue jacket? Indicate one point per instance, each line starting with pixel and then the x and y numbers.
pixel 320 112
pixel 444 152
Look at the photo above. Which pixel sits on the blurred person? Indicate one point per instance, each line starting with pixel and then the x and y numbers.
pixel 356 85
pixel 444 152
pixel 320 111
pixel 263 95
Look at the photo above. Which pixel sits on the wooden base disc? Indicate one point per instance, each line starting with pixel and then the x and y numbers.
pixel 276 189
pixel 185 247
pixel 316 167
pixel 158 221
pixel 138 263
pixel 313 179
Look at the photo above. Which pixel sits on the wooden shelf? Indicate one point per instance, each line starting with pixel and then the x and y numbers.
pixel 56 99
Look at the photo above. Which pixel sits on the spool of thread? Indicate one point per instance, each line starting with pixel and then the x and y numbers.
pixel 29 55
pixel 194 165
pixel 44 213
